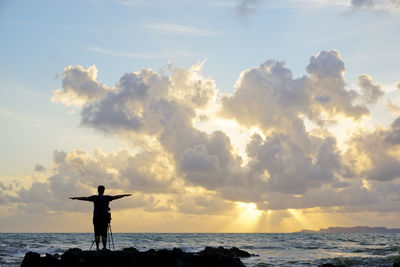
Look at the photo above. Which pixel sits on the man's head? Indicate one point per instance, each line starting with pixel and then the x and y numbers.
pixel 101 189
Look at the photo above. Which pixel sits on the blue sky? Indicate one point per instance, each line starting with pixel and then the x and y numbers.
pixel 41 38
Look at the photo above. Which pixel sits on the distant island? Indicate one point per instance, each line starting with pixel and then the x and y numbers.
pixel 356 229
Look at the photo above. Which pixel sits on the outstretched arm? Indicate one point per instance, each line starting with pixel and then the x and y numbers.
pixel 120 196
pixel 80 198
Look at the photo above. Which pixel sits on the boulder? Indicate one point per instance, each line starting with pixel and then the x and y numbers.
pixel 210 257
pixel 31 259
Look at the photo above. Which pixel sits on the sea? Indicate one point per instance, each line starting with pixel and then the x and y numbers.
pixel 289 249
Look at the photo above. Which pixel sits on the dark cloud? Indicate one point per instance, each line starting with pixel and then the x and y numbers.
pixel 39 168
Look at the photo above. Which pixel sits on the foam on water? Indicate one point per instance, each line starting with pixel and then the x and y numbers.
pixel 273 249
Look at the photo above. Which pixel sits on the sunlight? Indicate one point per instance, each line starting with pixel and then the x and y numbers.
pixel 248 216
pixel 297 215
pixel 249 210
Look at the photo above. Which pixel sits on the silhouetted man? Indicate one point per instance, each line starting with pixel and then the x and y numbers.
pixel 101 214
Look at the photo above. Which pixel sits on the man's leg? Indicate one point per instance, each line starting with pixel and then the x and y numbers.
pixel 97 239
pixel 104 239
pixel 104 229
pixel 97 232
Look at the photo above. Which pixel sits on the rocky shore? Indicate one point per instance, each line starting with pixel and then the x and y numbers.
pixel 76 257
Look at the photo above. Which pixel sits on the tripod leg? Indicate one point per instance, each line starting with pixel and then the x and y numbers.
pixel 91 245
pixel 112 238
pixel 109 239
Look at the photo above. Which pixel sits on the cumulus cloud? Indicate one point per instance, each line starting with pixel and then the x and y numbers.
pixel 371 92
pixel 77 173
pixel 291 160
pixel 287 161
pixel 175 166
pixel 39 168
pixel 392 108
pixel 287 168
pixel 329 87
pixel 79 86
pixel 142 101
pixel 269 97
pixel 377 153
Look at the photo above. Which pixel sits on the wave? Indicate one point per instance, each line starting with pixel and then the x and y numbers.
pixel 273 249
pixel 378 251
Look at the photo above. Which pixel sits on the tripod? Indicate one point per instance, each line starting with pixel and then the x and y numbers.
pixel 110 238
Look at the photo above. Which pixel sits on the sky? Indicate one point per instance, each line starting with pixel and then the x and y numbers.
pixel 217 116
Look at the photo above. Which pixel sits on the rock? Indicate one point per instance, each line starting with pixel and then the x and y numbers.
pixel 330 265
pixel 31 259
pixel 210 257
pixel 232 252
pixel 51 260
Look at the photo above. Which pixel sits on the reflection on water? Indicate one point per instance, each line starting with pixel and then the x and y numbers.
pixel 273 249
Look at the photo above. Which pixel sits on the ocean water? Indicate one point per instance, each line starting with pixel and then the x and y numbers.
pixel 272 249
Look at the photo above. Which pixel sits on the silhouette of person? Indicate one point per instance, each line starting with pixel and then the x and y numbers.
pixel 101 214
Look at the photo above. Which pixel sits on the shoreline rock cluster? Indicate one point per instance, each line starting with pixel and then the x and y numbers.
pixel 76 257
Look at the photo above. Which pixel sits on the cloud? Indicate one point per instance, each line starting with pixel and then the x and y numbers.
pixel 39 168
pixel 388 5
pixel 290 169
pixel 247 7
pixel 179 29
pixel 78 174
pixel 292 161
pixel 204 204
pixel 287 161
pixel 370 93
pixel 79 86
pixel 270 98
pixel 392 108
pixel 363 3
pixel 377 153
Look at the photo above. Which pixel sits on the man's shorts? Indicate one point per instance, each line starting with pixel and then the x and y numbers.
pixel 100 226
